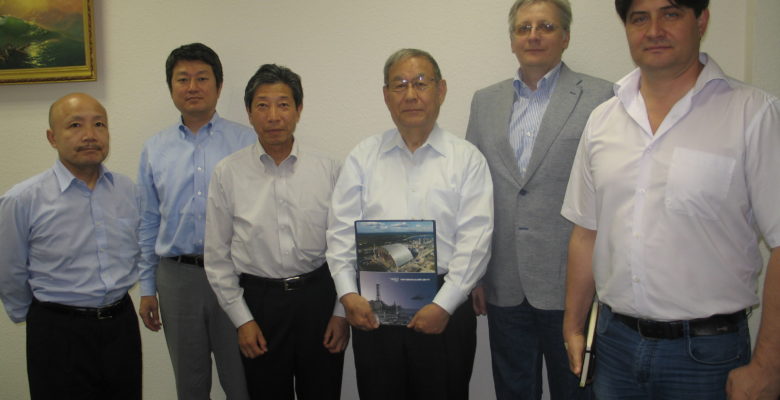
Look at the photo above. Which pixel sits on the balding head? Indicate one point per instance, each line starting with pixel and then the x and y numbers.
pixel 59 104
pixel 78 130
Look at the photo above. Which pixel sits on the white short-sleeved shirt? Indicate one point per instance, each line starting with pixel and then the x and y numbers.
pixel 679 214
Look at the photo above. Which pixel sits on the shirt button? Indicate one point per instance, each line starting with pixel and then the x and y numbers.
pixel 200 193
pixel 200 169
pixel 635 278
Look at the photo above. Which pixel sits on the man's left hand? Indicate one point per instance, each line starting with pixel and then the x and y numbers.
pixel 753 382
pixel 336 334
pixel 431 319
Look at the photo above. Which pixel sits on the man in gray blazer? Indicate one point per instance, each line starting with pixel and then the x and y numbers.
pixel 528 128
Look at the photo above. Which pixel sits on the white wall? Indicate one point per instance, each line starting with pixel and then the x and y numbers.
pixel 338 47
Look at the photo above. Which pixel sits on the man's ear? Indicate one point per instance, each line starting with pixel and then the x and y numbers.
pixel 703 21
pixel 50 138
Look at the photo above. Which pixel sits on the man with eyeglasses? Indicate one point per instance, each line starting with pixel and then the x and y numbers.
pixel 528 128
pixel 415 171
pixel 674 182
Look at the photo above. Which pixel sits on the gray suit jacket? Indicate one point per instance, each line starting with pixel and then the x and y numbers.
pixel 530 237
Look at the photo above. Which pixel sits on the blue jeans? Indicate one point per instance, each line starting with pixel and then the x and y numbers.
pixel 629 366
pixel 519 337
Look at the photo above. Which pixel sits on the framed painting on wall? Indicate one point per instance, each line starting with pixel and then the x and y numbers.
pixel 46 41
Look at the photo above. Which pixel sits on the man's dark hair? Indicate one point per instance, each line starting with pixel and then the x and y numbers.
pixel 193 52
pixel 269 74
pixel 622 6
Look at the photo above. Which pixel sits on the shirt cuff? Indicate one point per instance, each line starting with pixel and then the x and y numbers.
pixel 238 312
pixel 345 282
pixel 338 310
pixel 450 297
pixel 148 287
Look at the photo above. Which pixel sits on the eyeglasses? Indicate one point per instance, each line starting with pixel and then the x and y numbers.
pixel 420 84
pixel 544 27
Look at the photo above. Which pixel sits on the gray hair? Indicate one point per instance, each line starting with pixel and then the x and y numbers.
pixel 564 12
pixel 403 54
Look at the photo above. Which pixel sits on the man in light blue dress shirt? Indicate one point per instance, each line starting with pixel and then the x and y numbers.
pixel 173 178
pixel 67 259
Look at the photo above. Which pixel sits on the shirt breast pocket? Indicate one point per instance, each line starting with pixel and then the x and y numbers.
pixel 698 183
pixel 312 225
pixel 126 236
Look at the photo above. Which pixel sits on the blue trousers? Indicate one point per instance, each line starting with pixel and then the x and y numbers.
pixel 629 366
pixel 520 337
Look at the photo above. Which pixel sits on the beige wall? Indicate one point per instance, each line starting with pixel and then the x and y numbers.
pixel 338 47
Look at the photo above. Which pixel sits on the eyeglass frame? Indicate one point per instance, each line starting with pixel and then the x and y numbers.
pixel 526 29
pixel 419 84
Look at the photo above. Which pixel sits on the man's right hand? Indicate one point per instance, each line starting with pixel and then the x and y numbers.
pixel 251 340
pixel 575 348
pixel 359 313
pixel 478 300
pixel 150 312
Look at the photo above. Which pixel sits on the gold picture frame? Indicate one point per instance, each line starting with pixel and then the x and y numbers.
pixel 47 41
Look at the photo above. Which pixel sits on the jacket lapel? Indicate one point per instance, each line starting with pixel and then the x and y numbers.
pixel 500 117
pixel 562 102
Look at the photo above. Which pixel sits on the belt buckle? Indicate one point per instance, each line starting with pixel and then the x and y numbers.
pixel 104 313
pixel 291 283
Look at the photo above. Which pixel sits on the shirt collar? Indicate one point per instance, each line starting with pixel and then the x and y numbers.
pixel 213 121
pixel 262 155
pixel 435 141
pixel 544 86
pixel 65 178
pixel 627 88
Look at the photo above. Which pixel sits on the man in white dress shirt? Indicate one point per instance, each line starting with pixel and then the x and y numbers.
pixel 416 171
pixel 674 182
pixel 265 249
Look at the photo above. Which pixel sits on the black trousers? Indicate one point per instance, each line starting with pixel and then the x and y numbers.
pixel 293 323
pixel 80 357
pixel 395 362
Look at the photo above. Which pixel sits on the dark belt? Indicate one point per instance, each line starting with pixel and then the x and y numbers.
pixel 191 259
pixel 291 283
pixel 105 312
pixel 717 324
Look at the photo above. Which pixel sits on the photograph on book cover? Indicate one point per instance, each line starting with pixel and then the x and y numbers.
pixel 46 41
pixel 396 262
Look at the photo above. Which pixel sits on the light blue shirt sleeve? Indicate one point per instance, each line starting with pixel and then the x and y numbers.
pixel 14 290
pixel 173 178
pixel 149 226
pixel 66 243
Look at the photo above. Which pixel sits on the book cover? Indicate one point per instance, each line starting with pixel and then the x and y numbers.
pixel 396 262
pixel 589 358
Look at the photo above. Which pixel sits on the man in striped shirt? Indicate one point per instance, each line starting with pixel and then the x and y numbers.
pixel 528 129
